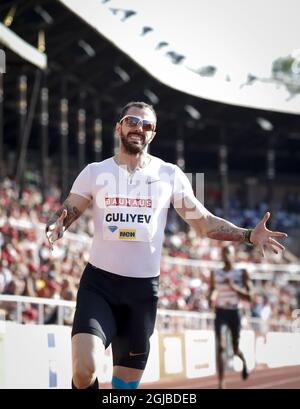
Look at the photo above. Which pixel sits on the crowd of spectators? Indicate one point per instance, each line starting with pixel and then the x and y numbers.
pixel 186 287
pixel 28 267
pixel 287 209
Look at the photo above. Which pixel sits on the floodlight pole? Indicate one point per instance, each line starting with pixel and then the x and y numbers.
pixel 179 146
pixel 44 126
pixel 64 134
pixel 271 173
pixel 81 132
pixel 97 145
pixel 27 130
pixel 223 168
pixel 22 111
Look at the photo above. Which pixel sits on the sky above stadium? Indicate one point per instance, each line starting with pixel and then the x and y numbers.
pixel 175 40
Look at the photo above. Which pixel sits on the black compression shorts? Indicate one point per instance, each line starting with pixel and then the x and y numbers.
pixel 231 319
pixel 120 310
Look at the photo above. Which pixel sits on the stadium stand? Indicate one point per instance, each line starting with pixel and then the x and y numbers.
pixel 27 268
pixel 57 116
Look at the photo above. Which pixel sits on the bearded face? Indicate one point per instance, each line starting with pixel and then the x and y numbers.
pixel 134 142
pixel 136 130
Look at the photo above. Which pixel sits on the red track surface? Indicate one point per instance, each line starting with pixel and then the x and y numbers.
pixel 276 378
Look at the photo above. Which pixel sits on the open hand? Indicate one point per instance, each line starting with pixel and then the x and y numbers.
pixel 263 237
pixel 55 231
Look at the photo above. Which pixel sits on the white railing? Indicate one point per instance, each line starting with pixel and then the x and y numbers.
pixel 258 271
pixel 167 320
pixel 19 300
pixel 176 321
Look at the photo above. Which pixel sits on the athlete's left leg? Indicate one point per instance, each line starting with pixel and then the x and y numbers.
pixel 135 325
pixel 235 329
pixel 220 346
pixel 130 355
pixel 220 350
pixel 126 378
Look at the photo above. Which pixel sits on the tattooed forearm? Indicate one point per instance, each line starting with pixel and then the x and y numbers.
pixel 230 233
pixel 72 214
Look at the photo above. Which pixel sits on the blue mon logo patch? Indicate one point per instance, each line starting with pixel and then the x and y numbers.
pixel 113 228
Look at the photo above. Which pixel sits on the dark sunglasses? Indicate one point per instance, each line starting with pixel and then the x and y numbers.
pixel 132 121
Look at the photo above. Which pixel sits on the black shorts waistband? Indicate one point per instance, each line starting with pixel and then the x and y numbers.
pixel 118 276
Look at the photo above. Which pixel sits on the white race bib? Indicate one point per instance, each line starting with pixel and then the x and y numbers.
pixel 128 219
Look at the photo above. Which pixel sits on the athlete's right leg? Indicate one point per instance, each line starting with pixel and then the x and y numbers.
pixel 235 328
pixel 87 351
pixel 94 326
pixel 220 348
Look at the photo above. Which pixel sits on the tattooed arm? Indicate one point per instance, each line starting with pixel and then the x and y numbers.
pixel 70 210
pixel 207 224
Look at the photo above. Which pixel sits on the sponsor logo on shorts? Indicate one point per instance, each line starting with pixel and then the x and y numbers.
pixel 113 228
pixel 127 234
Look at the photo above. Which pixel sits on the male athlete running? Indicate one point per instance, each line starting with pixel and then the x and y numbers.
pixel 228 286
pixel 117 298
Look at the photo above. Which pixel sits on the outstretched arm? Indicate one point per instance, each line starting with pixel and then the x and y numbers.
pixel 207 224
pixel 70 210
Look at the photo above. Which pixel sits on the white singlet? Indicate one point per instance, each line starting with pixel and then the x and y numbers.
pixel 130 212
pixel 226 297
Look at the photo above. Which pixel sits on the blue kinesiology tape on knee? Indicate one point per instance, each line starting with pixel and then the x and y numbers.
pixel 118 383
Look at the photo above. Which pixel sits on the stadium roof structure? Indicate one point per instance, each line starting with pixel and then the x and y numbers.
pixel 89 65
pixel 221 50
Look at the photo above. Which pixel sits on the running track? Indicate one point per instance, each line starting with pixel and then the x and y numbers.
pixel 276 378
